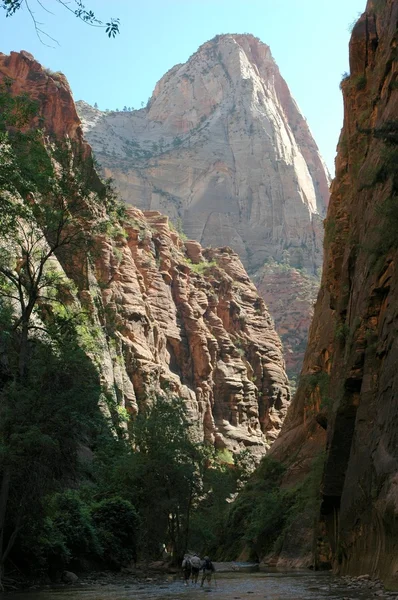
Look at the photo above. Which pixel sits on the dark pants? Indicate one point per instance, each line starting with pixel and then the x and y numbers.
pixel 195 573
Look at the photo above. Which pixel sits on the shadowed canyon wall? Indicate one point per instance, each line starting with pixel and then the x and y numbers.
pixel 222 148
pixel 171 319
pixel 346 404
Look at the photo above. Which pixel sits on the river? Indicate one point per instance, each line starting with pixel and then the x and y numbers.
pixel 276 585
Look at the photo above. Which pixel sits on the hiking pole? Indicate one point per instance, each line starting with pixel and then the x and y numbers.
pixel 215 580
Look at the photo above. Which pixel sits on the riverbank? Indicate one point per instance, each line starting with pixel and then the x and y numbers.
pixel 284 585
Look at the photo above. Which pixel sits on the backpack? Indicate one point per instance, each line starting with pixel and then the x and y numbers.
pixel 208 566
pixel 186 564
pixel 196 562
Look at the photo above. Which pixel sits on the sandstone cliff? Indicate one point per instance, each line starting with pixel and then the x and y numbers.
pixel 347 398
pixel 223 149
pixel 170 318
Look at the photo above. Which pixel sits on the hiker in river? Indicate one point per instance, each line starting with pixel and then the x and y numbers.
pixel 196 564
pixel 186 568
pixel 208 570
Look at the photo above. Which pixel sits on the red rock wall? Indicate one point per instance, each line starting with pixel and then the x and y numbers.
pixel 172 319
pixel 347 399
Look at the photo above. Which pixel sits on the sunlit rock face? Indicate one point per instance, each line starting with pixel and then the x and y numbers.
pixel 222 148
pixel 172 319
pixel 346 404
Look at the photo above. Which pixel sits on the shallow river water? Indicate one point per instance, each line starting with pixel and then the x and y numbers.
pixel 227 586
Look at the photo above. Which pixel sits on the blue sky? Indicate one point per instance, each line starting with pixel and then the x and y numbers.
pixel 308 39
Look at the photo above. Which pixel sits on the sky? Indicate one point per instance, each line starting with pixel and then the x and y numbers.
pixel 308 39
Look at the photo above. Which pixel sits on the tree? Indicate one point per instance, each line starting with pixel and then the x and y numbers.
pixel 78 9
pixel 161 477
pixel 49 389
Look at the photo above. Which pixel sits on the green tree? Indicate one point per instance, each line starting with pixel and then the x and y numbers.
pixel 46 199
pixel 44 419
pixel 161 477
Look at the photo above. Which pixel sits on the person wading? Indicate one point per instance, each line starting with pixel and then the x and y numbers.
pixel 208 570
pixel 186 568
pixel 196 563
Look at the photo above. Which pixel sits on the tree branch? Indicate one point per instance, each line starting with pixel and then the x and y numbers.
pixel 39 32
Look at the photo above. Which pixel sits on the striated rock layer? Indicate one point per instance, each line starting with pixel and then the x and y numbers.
pixel 171 318
pixel 223 149
pixel 347 398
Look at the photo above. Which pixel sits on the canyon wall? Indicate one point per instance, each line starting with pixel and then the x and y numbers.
pixel 223 150
pixel 346 405
pixel 170 318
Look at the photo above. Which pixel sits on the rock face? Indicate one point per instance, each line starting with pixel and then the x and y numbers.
pixel 190 323
pixel 223 149
pixel 289 294
pixel 347 397
pixel 172 319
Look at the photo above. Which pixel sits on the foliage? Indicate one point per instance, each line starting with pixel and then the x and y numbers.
pixel 344 78
pixel 387 175
pixel 341 333
pixel 263 513
pixel 70 521
pixel 358 82
pixel 160 477
pixel 177 142
pixel 219 485
pixel 50 199
pixel 257 516
pixel 44 417
pixel 330 230
pixel 320 381
pixel 202 267
pixel 77 8
pixel 179 229
pixel 116 521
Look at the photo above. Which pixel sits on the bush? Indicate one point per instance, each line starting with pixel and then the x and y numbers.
pixel 72 520
pixel 202 267
pixel 117 523
pixel 63 534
